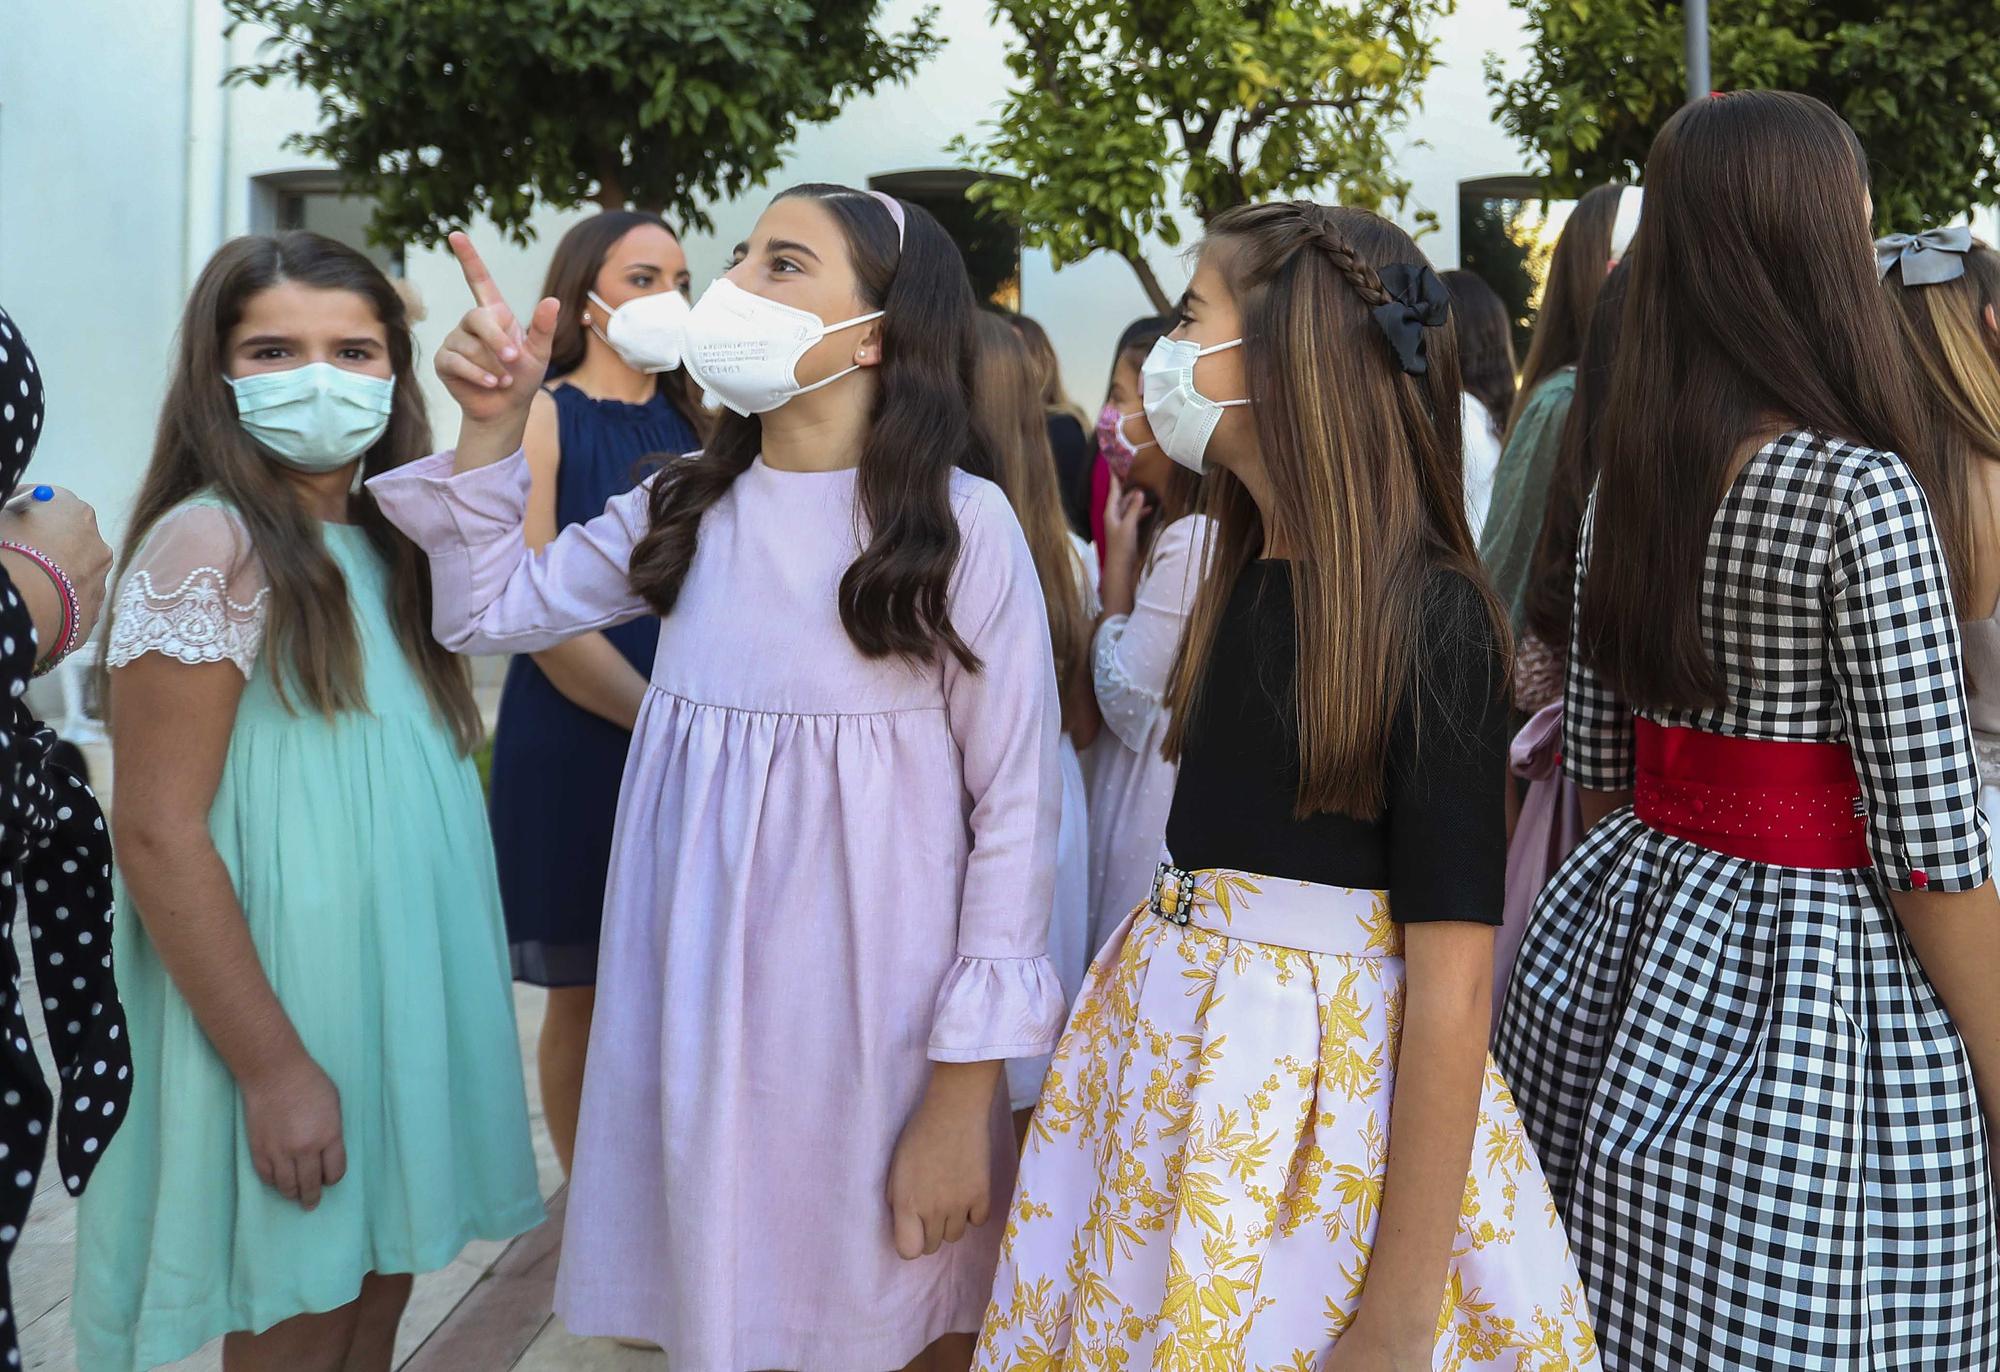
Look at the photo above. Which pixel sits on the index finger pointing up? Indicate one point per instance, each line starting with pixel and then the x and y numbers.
pixel 476 276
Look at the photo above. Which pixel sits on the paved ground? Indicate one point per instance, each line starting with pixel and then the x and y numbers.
pixel 487 1312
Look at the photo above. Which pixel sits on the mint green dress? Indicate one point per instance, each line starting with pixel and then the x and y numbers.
pixel 360 852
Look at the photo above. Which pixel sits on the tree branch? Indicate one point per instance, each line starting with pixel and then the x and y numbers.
pixel 610 181
pixel 1148 282
pixel 1039 48
pixel 1263 113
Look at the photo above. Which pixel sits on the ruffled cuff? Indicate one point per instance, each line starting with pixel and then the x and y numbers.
pixel 442 510
pixel 998 1008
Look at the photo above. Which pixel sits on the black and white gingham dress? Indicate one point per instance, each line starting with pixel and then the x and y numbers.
pixel 1756 1116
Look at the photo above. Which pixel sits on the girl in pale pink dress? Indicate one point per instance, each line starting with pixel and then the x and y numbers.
pixel 1007 388
pixel 826 922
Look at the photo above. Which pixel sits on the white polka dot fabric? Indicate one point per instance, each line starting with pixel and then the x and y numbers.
pixel 55 864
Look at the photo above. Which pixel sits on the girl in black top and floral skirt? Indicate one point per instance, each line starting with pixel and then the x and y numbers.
pixel 1255 1147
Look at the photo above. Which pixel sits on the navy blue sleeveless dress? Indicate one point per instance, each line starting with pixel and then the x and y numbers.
pixel 556 766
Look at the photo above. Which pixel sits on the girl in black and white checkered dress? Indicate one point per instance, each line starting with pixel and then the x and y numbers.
pixel 1753 1020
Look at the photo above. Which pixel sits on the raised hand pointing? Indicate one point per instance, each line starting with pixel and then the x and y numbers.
pixel 491 365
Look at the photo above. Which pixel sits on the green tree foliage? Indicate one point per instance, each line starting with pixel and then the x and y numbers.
pixel 1498 239
pixel 444 109
pixel 1114 101
pixel 1918 79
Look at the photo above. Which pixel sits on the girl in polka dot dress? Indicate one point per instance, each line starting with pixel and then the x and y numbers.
pixel 53 845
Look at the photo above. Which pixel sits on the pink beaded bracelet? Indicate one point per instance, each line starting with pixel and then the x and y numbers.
pixel 72 624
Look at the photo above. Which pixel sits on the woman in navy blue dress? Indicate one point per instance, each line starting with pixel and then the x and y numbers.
pixel 566 715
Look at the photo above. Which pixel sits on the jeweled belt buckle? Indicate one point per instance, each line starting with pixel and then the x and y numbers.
pixel 1173 894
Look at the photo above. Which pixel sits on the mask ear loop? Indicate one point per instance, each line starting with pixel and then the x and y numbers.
pixel 594 298
pixel 1126 438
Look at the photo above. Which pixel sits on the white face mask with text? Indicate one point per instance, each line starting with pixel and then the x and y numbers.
pixel 743 348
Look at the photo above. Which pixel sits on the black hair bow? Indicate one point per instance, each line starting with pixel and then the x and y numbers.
pixel 1418 301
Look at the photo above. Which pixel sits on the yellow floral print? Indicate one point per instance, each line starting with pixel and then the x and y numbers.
pixel 1205 1170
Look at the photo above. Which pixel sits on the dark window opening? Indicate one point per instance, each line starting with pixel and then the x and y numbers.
pixel 991 245
pixel 1507 229
pixel 313 201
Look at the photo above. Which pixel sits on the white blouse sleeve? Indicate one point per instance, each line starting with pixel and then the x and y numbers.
pixel 195 592
pixel 1134 653
pixel 1086 576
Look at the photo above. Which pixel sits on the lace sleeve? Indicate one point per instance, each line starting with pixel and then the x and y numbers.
pixel 194 591
pixel 1133 655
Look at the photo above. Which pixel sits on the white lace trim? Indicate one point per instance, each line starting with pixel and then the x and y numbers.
pixel 195 622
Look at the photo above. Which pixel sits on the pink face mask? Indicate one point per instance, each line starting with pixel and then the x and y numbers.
pixel 1116 449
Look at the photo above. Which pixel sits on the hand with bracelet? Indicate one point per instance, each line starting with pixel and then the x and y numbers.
pixel 58 562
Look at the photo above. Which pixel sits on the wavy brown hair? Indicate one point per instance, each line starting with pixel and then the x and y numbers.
pixel 1007 407
pixel 1943 330
pixel 1550 595
pixel 572 275
pixel 1753 301
pixel 1576 273
pixel 310 634
pixel 1364 461
pixel 893 598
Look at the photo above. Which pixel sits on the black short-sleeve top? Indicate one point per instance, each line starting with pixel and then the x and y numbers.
pixel 1440 845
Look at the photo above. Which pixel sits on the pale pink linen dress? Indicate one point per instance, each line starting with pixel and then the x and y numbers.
pixel 828 872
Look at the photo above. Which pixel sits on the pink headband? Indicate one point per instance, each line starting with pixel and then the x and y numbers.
pixel 895 208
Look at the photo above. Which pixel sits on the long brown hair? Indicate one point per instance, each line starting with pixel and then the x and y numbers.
pixel 1576 273
pixel 893 597
pixel 1944 332
pixel 1006 405
pixel 1364 460
pixel 310 634
pixel 572 276
pixel 1550 594
pixel 1753 300
pixel 1485 344
pixel 1048 371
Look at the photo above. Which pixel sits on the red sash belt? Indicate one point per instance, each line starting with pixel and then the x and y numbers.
pixel 1788 804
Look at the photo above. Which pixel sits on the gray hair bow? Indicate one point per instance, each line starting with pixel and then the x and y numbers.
pixel 1929 258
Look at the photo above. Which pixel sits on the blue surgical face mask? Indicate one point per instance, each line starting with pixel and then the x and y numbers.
pixel 315 418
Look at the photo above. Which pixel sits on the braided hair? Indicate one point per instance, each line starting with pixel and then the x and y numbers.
pixel 1356 420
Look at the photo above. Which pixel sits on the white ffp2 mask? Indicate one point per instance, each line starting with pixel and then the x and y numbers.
pixel 1181 417
pixel 647 331
pixel 743 348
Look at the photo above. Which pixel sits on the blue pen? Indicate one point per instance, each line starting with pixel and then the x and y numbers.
pixel 41 494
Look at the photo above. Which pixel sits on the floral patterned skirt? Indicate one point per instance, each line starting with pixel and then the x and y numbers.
pixel 1204 1174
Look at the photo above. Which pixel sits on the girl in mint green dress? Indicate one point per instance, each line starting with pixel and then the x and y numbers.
pixel 327 1084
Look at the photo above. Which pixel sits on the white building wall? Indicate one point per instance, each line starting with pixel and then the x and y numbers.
pixel 123 165
pixel 93 138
